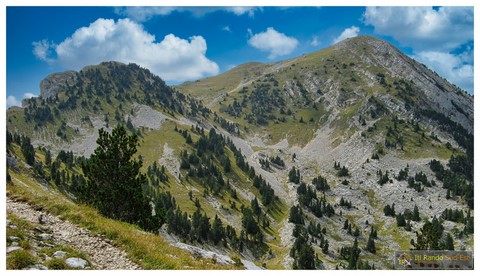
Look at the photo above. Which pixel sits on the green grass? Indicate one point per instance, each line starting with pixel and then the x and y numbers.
pixel 399 236
pixel 209 88
pixel 56 264
pixel 152 143
pixel 20 259
pixel 294 131
pixel 414 145
pixel 372 199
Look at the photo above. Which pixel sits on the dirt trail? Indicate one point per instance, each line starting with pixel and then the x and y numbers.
pixel 101 252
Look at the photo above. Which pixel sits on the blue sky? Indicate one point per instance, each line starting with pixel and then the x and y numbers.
pixel 181 44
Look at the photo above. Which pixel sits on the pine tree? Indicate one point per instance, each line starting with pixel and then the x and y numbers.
pixel 429 237
pixel 303 254
pixel 28 150
pixel 449 243
pixel 114 183
pixel 294 175
pixel 48 158
pixel 325 247
pixel 416 214
pixel 296 215
pixel 248 222
pixel 353 256
pixel 371 241
pixel 401 220
pixel 357 232
pixel 255 207
pixel 218 232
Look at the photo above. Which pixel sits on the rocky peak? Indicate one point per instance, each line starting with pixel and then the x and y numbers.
pixel 440 94
pixel 56 82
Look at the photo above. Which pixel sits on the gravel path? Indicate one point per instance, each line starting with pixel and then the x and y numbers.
pixel 101 252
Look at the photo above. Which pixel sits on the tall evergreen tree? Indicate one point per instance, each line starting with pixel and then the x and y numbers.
pixel 416 214
pixel 218 232
pixel 114 183
pixel 28 150
pixel 449 245
pixel 255 207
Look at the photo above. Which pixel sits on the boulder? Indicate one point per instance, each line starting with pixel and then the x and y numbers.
pixel 45 237
pixel 76 263
pixel 37 267
pixel 59 254
pixel 11 249
pixel 13 239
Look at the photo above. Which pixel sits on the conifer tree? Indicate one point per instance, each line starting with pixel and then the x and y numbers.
pixel 218 232
pixel 114 183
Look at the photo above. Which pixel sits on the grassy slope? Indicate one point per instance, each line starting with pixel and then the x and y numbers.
pixel 146 249
pixel 209 88
pixel 151 149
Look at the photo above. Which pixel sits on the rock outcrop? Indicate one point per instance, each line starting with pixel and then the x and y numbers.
pixel 55 83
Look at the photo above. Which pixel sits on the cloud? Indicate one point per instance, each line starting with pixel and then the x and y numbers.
pixel 142 14
pixel 29 95
pixel 347 33
pixel 173 59
pixel 42 49
pixel 226 29
pixel 315 41
pixel 276 43
pixel 436 36
pixel 423 28
pixel 13 101
pixel 454 68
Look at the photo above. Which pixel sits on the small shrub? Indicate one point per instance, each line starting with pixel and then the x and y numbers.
pixel 20 259
pixel 56 264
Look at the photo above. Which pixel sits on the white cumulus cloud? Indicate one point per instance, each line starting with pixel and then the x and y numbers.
pixel 347 33
pixel 142 14
pixel 43 49
pixel 423 28
pixel 278 44
pixel 13 101
pixel 173 59
pixel 452 67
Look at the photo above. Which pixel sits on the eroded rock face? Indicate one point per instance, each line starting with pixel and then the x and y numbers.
pixel 54 83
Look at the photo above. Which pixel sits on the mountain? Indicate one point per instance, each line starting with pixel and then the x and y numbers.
pixel 333 159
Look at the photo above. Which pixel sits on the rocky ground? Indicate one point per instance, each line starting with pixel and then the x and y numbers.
pixel 52 232
pixel 208 252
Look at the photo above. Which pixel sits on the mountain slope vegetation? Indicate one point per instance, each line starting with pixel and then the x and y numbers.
pixel 333 159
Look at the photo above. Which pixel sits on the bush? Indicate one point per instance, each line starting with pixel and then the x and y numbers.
pixel 56 264
pixel 20 259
